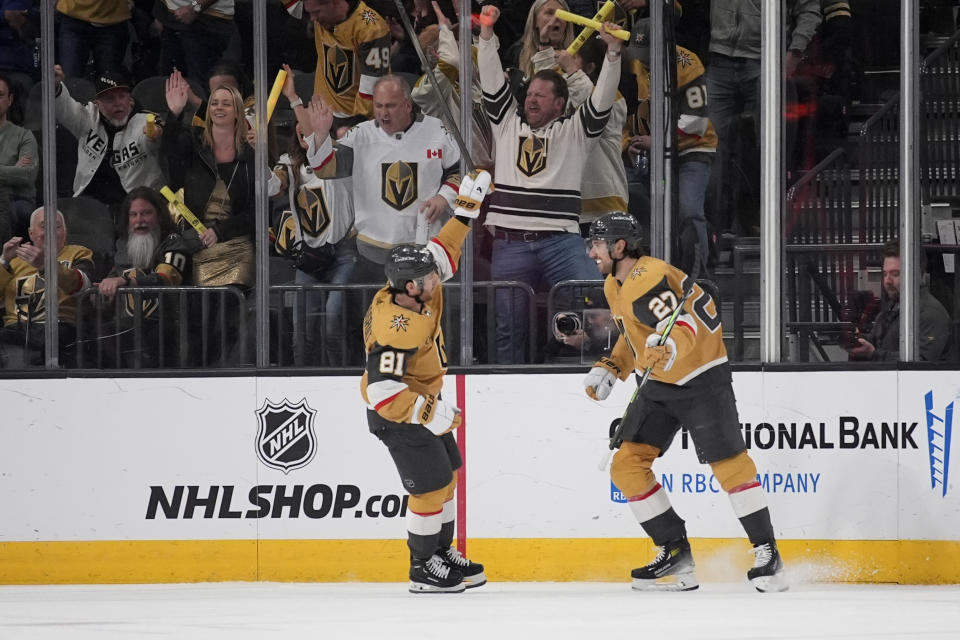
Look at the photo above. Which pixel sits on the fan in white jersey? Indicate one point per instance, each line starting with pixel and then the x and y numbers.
pixel 540 158
pixel 404 169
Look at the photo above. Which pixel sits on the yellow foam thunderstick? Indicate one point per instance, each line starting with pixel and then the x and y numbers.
pixel 605 12
pixel 566 16
pixel 183 210
pixel 275 92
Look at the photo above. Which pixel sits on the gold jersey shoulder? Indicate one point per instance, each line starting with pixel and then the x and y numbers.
pixel 647 297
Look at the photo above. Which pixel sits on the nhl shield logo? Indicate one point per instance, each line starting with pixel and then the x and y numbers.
pixel 285 438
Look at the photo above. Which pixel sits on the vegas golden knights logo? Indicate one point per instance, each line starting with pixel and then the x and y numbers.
pixel 148 303
pixel 338 69
pixel 31 299
pixel 398 184
pixel 532 157
pixel 314 214
pixel 286 234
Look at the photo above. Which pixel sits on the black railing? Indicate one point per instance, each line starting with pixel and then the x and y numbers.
pixel 831 236
pixel 301 338
pixel 163 327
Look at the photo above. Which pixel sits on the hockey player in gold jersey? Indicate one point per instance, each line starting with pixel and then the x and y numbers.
pixel 689 385
pixel 406 360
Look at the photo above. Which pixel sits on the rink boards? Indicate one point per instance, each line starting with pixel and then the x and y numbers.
pixel 206 479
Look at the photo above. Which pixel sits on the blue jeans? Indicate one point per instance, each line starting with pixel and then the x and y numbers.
pixel 77 39
pixel 733 85
pixel 693 178
pixel 324 334
pixel 540 264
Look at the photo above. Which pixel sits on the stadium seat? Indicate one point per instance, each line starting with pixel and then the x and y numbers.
pixel 304 84
pixel 81 89
pixel 151 93
pixel 90 224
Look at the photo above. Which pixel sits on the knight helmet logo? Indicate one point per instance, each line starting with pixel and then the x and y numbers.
pixel 285 438
pixel 31 298
pixel 314 213
pixel 532 155
pixel 398 184
pixel 147 304
pixel 338 70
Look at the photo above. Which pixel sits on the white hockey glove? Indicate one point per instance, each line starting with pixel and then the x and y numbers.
pixel 436 415
pixel 599 382
pixel 656 356
pixel 473 188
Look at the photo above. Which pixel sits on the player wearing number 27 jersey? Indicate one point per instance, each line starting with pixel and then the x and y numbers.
pixel 689 385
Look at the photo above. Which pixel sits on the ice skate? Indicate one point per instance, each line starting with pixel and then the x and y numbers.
pixel 767 574
pixel 473 575
pixel 434 576
pixel 671 570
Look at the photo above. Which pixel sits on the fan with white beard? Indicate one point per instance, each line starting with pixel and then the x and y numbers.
pixel 152 254
pixel 142 245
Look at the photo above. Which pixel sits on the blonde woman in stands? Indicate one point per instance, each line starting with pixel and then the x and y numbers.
pixel 543 34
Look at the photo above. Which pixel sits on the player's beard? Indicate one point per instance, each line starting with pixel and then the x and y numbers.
pixel 141 247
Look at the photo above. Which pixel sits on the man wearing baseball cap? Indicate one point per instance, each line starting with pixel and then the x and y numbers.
pixel 117 151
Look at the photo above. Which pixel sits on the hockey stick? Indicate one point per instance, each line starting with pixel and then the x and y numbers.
pixel 616 437
pixel 444 107
pixel 422 225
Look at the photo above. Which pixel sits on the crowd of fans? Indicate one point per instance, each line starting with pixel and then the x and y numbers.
pixel 170 106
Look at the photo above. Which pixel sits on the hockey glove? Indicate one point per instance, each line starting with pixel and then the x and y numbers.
pixel 656 356
pixel 473 188
pixel 599 382
pixel 436 415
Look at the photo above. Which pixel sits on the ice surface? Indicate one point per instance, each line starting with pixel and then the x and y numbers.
pixel 497 611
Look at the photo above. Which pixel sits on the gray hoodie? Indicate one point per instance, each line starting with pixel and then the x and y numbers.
pixel 735 26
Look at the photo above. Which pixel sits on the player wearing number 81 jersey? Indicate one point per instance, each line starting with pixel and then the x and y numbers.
pixel 401 386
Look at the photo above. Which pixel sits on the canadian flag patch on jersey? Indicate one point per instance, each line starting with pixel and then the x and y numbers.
pixel 434 153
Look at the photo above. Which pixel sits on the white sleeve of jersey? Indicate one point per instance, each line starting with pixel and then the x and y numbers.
pixel 318 156
pixel 294 8
pixel 445 267
pixel 692 124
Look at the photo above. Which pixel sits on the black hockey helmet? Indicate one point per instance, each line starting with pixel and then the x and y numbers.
pixel 618 225
pixel 408 263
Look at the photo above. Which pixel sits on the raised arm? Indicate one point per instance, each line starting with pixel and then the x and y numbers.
pixel 488 62
pixel 326 160
pixel 606 90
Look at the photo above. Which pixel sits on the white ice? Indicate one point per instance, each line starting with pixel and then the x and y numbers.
pixel 496 611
